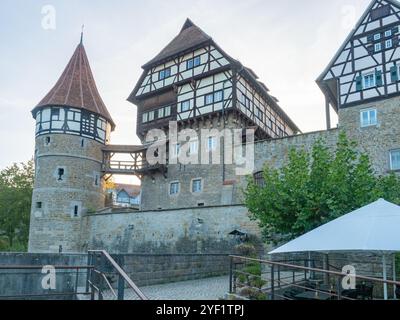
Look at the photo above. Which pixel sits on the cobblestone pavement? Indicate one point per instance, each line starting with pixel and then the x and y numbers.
pixel 202 289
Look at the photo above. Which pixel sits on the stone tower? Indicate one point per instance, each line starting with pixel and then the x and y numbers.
pixel 72 127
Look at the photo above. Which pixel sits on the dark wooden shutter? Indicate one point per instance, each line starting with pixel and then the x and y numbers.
pixel 378 76
pixel 370 38
pixel 394 74
pixel 370 49
pixel 395 30
pixel 359 85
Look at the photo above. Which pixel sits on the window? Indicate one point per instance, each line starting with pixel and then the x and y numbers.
pixel 55 114
pixel 197 186
pixel 388 33
pixel 259 179
pixel 60 173
pixel 151 115
pixel 377 37
pixel 378 47
pixel 185 106
pixel 145 117
pixel 82 143
pixel 38 205
pixel 218 96
pixel 177 149
pixel 395 159
pixel 193 147
pixel 160 113
pixel 209 99
pixel 211 143
pixel 96 179
pixel 76 211
pixel 369 118
pixel 369 81
pixel 47 141
pixel 192 63
pixel 174 188
pixel 167 111
pixel 163 74
pixel 388 43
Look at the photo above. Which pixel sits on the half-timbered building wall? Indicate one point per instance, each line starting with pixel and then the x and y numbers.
pixel 182 68
pixel 367 66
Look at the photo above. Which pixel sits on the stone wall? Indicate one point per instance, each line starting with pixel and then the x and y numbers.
pixel 147 270
pixel 29 281
pixel 193 230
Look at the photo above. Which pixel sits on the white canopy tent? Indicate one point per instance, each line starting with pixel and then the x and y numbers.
pixel 373 228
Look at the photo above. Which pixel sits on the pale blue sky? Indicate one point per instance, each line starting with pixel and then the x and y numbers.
pixel 287 43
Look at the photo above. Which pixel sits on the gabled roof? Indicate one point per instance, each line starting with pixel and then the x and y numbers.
pixel 320 79
pixel 130 189
pixel 76 88
pixel 190 36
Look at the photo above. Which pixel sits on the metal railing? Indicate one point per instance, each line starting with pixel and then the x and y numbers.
pixel 299 280
pixel 75 273
pixel 107 280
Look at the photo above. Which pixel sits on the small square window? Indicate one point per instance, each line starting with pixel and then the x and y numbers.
pixel 55 114
pixel 369 118
pixel 174 188
pixel 163 74
pixel 378 47
pixel 395 159
pixel 209 99
pixel 38 205
pixel 388 33
pixel 218 96
pixel 197 186
pixel 185 106
pixel 145 117
pixel 377 36
pixel 47 141
pixel 388 44
pixel 369 81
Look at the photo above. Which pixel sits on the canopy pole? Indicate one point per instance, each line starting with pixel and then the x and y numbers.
pixel 385 287
pixel 394 276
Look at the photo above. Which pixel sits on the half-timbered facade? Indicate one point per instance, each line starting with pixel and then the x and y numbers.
pixel 193 78
pixel 366 67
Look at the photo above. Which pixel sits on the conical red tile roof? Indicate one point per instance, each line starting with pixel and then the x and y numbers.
pixel 77 88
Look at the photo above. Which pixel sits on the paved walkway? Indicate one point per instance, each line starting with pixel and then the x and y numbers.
pixel 203 289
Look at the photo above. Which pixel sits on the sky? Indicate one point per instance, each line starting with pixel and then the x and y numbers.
pixel 288 44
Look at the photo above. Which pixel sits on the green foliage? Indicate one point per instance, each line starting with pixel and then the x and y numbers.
pixel 314 188
pixel 16 185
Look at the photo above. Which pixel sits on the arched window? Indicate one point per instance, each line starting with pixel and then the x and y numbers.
pixel 259 179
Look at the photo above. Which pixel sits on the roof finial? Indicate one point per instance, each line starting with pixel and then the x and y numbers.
pixel 83 27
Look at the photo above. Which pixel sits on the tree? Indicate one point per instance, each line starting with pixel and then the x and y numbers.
pixel 314 188
pixel 16 185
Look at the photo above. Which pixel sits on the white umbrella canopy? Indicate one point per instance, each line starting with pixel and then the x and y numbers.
pixel 375 227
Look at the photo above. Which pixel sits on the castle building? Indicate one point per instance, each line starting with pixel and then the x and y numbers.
pixel 194 82
pixel 72 126
pixel 187 208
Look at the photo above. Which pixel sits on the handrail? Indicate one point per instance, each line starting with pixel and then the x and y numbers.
pixel 397 283
pixel 122 273
pixel 6 267
pixel 107 282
